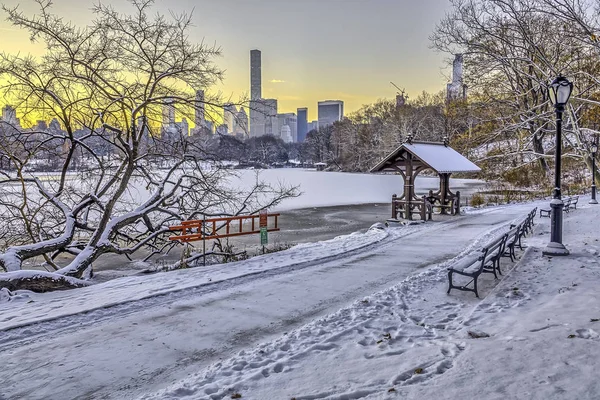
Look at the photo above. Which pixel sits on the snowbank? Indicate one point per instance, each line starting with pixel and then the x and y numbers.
pixel 50 306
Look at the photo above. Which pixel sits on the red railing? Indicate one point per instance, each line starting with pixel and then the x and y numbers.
pixel 206 229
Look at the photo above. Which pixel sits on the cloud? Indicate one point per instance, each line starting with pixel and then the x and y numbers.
pixel 276 81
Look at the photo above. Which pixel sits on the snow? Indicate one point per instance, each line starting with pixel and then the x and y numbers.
pixel 121 291
pixel 533 336
pixel 441 158
pixel 364 316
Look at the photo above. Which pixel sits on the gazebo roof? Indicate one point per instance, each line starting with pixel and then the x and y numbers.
pixel 438 156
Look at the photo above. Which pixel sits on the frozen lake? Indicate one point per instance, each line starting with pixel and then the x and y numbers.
pixel 323 189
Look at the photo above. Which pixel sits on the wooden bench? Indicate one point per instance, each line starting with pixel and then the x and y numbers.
pixel 473 265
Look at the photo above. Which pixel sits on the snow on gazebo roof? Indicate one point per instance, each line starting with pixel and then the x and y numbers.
pixel 438 156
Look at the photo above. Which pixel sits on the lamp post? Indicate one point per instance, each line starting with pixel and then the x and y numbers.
pixel 594 151
pixel 559 92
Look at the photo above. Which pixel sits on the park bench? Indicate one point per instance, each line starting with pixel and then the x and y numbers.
pixel 513 240
pixel 573 203
pixel 485 260
pixel 488 258
pixel 569 203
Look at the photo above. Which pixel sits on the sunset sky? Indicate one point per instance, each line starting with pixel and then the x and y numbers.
pixel 311 49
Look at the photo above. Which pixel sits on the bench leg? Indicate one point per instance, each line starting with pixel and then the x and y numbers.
pixel 450 281
pixel 475 286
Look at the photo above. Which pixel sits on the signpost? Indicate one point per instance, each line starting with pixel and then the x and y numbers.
pixel 262 223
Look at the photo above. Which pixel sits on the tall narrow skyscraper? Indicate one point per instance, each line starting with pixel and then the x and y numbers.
pixel 255 75
pixel 257 118
pixel 302 124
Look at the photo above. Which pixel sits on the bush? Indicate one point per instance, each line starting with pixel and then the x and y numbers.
pixel 477 200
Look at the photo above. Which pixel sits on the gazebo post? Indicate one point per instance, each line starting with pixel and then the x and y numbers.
pixel 443 192
pixel 408 188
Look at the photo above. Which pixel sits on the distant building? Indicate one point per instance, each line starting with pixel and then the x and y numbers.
pixel 329 112
pixel 400 100
pixel 271 121
pixel 263 117
pixel 255 75
pixel 257 121
pixel 286 134
pixel 302 124
pixel 221 129
pixel 229 117
pixel 290 120
pixel 184 127
pixel 41 125
pixel 168 113
pixel 209 127
pixel 9 116
pixel 199 119
pixel 456 90
pixel 312 126
pixel 55 125
pixel 241 127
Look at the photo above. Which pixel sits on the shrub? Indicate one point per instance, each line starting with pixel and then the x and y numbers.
pixel 477 200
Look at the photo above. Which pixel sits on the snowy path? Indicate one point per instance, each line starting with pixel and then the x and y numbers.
pixel 147 343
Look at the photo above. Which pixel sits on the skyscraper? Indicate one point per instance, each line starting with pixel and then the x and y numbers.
pixel 199 111
pixel 255 75
pixel 456 89
pixel 302 124
pixel 330 111
pixel 257 119
pixel 286 134
pixel 168 113
pixel 241 126
pixel 290 120
pixel 270 114
pixel 229 117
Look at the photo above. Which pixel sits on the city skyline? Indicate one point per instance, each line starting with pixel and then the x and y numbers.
pixel 313 51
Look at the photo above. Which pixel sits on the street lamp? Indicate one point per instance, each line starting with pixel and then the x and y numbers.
pixel 594 151
pixel 559 92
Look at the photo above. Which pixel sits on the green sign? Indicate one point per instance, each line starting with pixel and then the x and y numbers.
pixel 264 237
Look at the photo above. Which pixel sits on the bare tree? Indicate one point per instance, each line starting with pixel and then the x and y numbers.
pixel 512 50
pixel 126 170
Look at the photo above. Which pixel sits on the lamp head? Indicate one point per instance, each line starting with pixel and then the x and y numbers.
pixel 559 92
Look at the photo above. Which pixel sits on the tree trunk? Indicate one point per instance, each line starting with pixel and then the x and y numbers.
pixel 538 147
pixel 38 281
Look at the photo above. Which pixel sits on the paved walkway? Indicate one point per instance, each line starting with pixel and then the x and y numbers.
pixel 140 352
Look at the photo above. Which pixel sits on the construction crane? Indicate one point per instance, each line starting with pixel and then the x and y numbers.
pixel 401 95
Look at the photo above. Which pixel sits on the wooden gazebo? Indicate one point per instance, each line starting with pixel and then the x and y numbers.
pixel 412 158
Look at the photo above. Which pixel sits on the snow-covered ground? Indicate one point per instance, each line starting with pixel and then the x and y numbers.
pixel 363 316
pixel 534 335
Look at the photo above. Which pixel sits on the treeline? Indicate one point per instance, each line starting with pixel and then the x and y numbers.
pixel 354 144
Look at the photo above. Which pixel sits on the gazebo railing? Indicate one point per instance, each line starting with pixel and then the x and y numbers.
pixel 402 208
